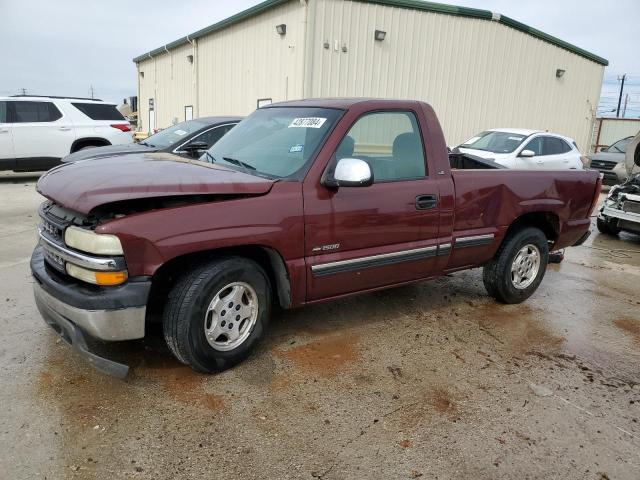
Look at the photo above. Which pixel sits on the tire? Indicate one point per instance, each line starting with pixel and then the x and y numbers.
pixel 606 227
pixel 187 313
pixel 497 273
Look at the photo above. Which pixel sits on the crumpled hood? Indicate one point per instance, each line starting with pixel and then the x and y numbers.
pixel 82 186
pixel 107 151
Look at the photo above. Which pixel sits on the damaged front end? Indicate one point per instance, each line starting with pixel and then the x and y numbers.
pixel 621 208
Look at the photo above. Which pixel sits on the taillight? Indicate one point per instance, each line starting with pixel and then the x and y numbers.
pixel 123 127
pixel 596 195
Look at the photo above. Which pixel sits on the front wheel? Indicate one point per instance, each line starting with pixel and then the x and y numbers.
pixel 216 314
pixel 607 227
pixel 516 270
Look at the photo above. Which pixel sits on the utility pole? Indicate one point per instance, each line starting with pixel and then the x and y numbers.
pixel 626 100
pixel 620 97
pixel 24 91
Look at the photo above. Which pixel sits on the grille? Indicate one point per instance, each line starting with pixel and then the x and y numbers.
pixel 603 165
pixel 631 207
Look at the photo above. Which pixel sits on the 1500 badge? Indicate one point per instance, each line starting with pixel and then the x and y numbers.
pixel 326 248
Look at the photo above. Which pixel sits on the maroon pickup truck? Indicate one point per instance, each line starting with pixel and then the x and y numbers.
pixel 302 202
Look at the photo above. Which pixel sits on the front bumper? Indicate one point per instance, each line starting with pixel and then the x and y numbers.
pixel 75 311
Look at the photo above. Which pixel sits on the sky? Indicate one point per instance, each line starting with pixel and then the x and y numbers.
pixel 67 47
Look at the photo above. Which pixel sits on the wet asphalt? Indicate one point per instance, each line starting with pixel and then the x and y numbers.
pixel 433 380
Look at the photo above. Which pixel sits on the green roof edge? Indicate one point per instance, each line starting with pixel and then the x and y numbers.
pixel 410 4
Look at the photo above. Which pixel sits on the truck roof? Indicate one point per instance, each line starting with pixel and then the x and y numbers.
pixel 341 103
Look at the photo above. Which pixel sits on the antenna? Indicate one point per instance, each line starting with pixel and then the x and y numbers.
pixel 91 91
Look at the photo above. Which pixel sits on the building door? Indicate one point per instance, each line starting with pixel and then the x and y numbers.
pixel 358 238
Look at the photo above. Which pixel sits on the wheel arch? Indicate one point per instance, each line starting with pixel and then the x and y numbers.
pixel 268 258
pixel 86 141
pixel 547 222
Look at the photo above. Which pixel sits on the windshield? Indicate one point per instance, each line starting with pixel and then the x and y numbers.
pixel 496 142
pixel 169 136
pixel 620 146
pixel 275 142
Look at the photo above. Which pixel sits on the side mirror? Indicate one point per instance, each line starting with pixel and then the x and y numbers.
pixel 527 153
pixel 350 172
pixel 195 149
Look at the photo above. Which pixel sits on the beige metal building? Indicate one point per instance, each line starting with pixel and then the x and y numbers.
pixel 478 69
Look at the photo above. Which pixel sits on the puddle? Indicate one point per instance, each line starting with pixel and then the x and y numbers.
pixel 519 328
pixel 326 356
pixel 185 386
pixel 630 326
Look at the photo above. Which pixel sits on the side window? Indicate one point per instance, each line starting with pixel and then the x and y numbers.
pixel 3 112
pixel 33 112
pixel 554 146
pixel 213 135
pixel 390 142
pixel 535 145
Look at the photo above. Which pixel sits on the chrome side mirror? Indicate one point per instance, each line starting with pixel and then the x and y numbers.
pixel 350 172
pixel 527 153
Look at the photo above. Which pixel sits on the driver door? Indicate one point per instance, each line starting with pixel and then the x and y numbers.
pixel 360 238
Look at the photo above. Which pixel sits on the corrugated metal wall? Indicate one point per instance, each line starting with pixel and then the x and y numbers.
pixel 170 80
pixel 610 130
pixel 232 69
pixel 475 73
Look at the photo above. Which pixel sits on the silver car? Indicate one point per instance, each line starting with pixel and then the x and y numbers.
pixel 610 162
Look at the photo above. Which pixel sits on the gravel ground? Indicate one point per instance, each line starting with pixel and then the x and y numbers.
pixel 434 380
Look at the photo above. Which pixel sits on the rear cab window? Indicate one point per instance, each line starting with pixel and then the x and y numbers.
pixel 3 112
pixel 24 111
pixel 99 111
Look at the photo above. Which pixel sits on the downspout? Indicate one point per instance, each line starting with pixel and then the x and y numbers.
pixel 309 34
pixel 196 103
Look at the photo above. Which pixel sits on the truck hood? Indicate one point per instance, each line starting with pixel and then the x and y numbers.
pixel 83 186
pixel 108 151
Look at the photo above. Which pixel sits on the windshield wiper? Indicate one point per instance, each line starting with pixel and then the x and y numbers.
pixel 239 163
pixel 147 144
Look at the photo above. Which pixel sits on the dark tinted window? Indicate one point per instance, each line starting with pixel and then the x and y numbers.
pixel 554 146
pixel 3 112
pixel 99 111
pixel 535 145
pixel 213 135
pixel 27 112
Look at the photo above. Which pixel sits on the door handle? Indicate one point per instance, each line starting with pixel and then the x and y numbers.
pixel 65 129
pixel 426 202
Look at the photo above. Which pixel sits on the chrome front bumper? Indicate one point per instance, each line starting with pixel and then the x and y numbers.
pixel 109 325
pixel 615 213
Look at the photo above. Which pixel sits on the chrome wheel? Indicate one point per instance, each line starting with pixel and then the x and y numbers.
pixel 231 316
pixel 525 266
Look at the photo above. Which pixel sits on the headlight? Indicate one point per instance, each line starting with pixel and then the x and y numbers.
pixel 97 278
pixel 91 242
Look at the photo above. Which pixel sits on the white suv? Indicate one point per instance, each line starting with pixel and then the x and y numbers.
pixel 526 149
pixel 36 132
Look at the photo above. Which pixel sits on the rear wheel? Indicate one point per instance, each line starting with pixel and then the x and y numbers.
pixel 516 270
pixel 607 227
pixel 216 314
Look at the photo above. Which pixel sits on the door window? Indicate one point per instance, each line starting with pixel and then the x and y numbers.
pixel 32 112
pixel 555 146
pixel 213 135
pixel 390 142
pixel 3 112
pixel 535 145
